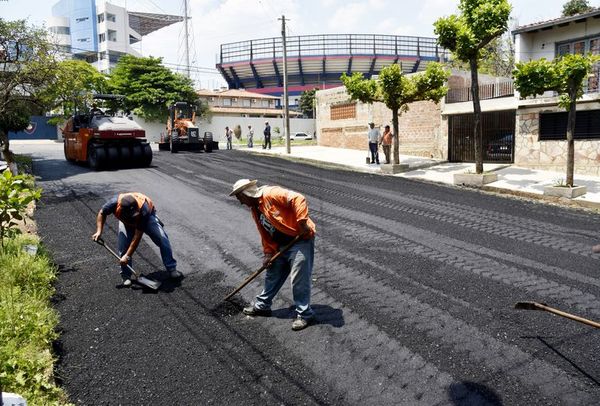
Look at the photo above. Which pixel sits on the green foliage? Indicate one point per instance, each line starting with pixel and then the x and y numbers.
pixel 466 35
pixel 397 91
pixel 27 323
pixel 27 63
pixel 565 75
pixel 573 7
pixel 307 102
pixel 479 23
pixel 149 87
pixel 71 88
pixel 16 192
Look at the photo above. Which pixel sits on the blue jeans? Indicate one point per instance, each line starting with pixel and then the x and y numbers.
pixel 297 261
pixel 374 148
pixel 157 234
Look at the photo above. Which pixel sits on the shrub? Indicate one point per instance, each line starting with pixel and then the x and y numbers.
pixel 16 192
pixel 27 323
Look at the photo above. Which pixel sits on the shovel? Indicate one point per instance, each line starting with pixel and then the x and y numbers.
pixel 262 268
pixel 544 307
pixel 139 278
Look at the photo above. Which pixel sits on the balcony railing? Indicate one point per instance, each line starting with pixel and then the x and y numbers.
pixel 486 92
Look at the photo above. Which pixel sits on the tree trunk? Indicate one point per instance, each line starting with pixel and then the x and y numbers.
pixel 395 136
pixel 570 134
pixel 476 117
pixel 7 154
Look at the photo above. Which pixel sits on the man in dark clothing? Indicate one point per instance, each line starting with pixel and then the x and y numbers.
pixel 136 215
pixel 267 133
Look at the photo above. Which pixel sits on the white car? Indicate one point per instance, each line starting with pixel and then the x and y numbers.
pixel 301 136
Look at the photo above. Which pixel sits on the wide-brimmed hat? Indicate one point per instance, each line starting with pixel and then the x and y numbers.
pixel 247 187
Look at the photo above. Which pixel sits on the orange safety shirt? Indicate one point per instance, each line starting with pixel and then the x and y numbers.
pixel 283 208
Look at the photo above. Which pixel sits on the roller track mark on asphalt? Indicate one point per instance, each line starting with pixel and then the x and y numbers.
pixel 336 353
pixel 444 249
pixel 466 218
pixel 461 339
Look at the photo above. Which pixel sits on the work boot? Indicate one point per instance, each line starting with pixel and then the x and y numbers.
pixel 301 323
pixel 174 274
pixel 253 311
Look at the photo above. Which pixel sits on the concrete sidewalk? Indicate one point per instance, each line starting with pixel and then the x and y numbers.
pixel 511 179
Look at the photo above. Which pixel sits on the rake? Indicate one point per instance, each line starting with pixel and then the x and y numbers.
pixel 139 278
pixel 544 307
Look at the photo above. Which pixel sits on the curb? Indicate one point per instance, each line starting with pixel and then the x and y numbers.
pixel 560 201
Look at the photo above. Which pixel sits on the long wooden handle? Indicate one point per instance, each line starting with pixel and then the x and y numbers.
pixel 101 242
pixel 541 306
pixel 262 268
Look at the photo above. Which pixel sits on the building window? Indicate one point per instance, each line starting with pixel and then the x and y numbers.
pixel 343 111
pixel 81 19
pixel 111 17
pixel 553 126
pixel 112 35
pixel 60 30
pixel 83 39
pixel 246 102
pixel 102 37
pixel 227 102
pixel 100 18
pixel 265 103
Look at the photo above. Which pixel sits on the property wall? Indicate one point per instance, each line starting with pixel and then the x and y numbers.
pixel 39 129
pixel 552 155
pixel 217 126
pixel 420 128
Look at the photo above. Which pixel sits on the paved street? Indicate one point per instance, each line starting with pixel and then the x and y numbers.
pixel 414 286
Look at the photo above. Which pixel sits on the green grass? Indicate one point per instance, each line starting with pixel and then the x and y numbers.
pixel 24 163
pixel 28 323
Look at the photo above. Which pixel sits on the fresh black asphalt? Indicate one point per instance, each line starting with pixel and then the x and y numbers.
pixel 414 286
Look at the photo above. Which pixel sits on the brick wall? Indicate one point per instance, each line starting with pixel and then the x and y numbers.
pixel 420 133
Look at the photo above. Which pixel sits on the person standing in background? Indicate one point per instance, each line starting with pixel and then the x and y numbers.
pixel 386 143
pixel 250 137
pixel 373 135
pixel 267 133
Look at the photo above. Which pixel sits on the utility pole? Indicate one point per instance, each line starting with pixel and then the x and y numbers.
pixel 286 111
pixel 187 39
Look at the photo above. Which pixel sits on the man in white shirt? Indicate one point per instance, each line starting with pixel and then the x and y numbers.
pixel 374 136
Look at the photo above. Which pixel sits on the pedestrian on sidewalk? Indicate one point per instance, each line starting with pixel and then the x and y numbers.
pixel 250 137
pixel 136 215
pixel 373 135
pixel 229 136
pixel 267 134
pixel 386 143
pixel 281 215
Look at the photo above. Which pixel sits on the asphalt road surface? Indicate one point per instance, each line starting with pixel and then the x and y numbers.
pixel 414 286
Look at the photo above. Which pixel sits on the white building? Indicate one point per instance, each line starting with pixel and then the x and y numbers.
pixel 100 32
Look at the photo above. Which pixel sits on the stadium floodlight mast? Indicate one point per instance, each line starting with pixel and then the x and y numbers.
pixel 286 111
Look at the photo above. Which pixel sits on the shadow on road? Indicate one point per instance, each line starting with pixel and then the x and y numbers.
pixel 472 393
pixel 324 314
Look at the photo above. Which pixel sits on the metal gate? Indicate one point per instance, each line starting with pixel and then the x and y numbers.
pixel 498 137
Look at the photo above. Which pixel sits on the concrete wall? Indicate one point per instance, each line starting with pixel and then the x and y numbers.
pixel 419 128
pixel 217 126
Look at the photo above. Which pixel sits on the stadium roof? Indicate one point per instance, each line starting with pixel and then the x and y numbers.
pixel 146 23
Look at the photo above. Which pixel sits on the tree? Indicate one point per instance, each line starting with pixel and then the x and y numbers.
pixel 397 91
pixel 573 7
pixel 497 58
pixel 307 102
pixel 466 35
pixel 71 88
pixel 27 63
pixel 149 87
pixel 565 75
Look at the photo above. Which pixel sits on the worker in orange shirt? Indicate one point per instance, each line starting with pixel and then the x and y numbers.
pixel 386 143
pixel 281 215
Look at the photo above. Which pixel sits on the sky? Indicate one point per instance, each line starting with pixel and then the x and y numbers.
pixel 215 22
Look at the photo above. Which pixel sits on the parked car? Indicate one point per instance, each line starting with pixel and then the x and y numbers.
pixel 301 136
pixel 501 148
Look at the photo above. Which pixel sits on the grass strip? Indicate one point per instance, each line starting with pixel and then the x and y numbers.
pixel 28 323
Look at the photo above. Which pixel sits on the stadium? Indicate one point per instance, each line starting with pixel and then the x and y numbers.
pixel 318 61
